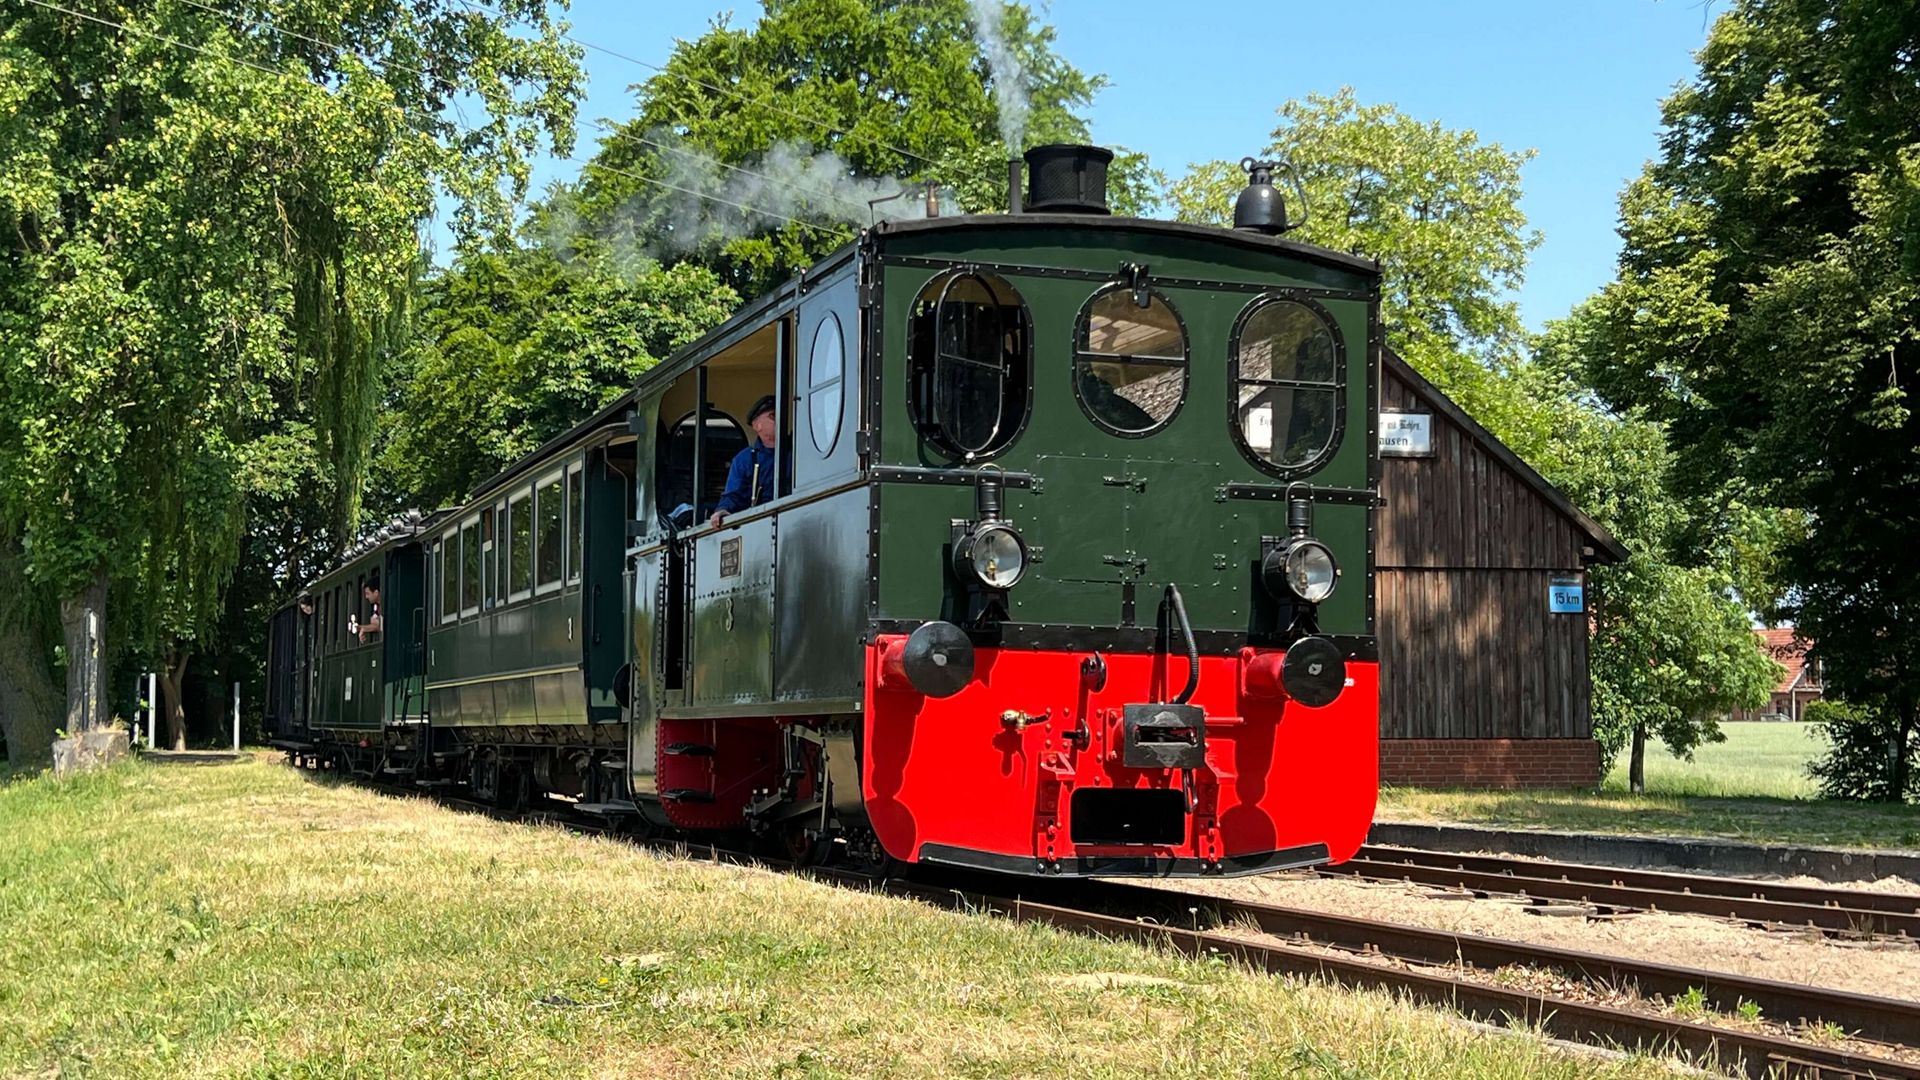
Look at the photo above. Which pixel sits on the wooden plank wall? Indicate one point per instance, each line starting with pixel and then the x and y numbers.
pixel 1464 554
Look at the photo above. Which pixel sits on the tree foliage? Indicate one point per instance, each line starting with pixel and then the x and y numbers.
pixel 1768 309
pixel 211 225
pixel 826 104
pixel 515 348
pixel 1438 207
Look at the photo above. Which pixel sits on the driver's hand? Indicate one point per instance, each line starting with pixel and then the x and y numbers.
pixel 718 517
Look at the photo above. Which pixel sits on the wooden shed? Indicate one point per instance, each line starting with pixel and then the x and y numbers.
pixel 1481 598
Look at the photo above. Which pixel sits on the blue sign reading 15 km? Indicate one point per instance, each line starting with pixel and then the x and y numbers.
pixel 1566 596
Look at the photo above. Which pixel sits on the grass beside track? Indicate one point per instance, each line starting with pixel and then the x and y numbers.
pixel 1751 787
pixel 248 921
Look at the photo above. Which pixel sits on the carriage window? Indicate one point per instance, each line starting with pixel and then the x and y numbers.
pixel 824 366
pixel 519 547
pixel 470 568
pixel 1287 362
pixel 971 369
pixel 547 511
pixel 576 510
pixel 446 570
pixel 489 552
pixel 1130 362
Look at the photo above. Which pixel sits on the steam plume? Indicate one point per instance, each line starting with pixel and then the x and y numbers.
pixel 703 201
pixel 1009 73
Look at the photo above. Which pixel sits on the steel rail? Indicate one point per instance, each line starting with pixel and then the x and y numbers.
pixel 1701 884
pixel 1753 1054
pixel 1517 880
pixel 1869 1016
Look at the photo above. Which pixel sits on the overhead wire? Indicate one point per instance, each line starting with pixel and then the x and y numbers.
pixel 341 49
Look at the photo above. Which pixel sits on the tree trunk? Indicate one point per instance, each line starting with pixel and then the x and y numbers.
pixel 1637 764
pixel 173 676
pixel 29 698
pixel 83 623
pixel 1903 725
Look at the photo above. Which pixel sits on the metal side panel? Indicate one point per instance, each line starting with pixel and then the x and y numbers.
pixel 821 600
pixel 733 615
pixel 643 730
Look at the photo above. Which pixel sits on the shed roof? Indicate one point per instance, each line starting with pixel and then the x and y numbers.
pixel 1606 548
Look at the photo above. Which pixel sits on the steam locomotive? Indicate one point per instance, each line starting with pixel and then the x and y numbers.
pixel 1067 570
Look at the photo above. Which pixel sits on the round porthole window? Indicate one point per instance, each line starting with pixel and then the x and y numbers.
pixel 825 365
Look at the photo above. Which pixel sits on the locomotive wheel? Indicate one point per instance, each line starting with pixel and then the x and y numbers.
pixel 485 778
pixel 805 847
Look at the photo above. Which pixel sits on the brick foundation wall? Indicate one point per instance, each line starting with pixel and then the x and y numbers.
pixel 1490 763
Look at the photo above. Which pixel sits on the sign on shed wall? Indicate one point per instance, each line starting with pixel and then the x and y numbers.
pixel 1566 594
pixel 1406 434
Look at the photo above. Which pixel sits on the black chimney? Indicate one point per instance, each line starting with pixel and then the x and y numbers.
pixel 1260 208
pixel 1067 179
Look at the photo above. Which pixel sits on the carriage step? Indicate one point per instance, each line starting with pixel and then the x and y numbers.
pixel 690 749
pixel 432 785
pixel 397 770
pixel 687 795
pixel 610 808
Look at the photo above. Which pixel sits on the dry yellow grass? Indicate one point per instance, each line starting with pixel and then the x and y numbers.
pixel 250 922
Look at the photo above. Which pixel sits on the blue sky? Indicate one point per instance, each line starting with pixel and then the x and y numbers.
pixel 1580 83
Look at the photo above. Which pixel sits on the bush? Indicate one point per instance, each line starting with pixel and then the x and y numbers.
pixel 1860 755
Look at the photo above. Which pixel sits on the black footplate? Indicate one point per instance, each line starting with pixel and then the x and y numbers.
pixel 1164 737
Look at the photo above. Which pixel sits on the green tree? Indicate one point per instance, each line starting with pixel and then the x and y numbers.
pixel 1672 650
pixel 515 348
pixel 212 225
pixel 1767 308
pixel 1440 209
pixel 828 104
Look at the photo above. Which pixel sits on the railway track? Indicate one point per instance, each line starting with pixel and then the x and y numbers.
pixel 1833 911
pixel 1438 968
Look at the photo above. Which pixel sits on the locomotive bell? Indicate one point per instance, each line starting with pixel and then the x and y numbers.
pixel 1260 207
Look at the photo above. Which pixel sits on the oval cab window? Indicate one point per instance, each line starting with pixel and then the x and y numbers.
pixel 824 366
pixel 1287 360
pixel 1130 362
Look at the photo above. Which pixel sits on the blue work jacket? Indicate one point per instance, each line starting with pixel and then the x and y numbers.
pixel 741 479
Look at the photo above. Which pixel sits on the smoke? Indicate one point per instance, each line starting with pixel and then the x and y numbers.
pixel 700 200
pixel 1009 73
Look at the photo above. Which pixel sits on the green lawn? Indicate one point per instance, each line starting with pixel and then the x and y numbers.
pixel 1758 759
pixel 1751 787
pixel 248 921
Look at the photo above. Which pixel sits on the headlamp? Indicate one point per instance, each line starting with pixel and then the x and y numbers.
pixel 994 554
pixel 1303 567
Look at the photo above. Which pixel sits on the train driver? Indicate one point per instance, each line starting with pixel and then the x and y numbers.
pixel 750 478
pixel 371 591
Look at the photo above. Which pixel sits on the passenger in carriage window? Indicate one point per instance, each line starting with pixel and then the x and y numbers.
pixel 750 479
pixel 370 630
